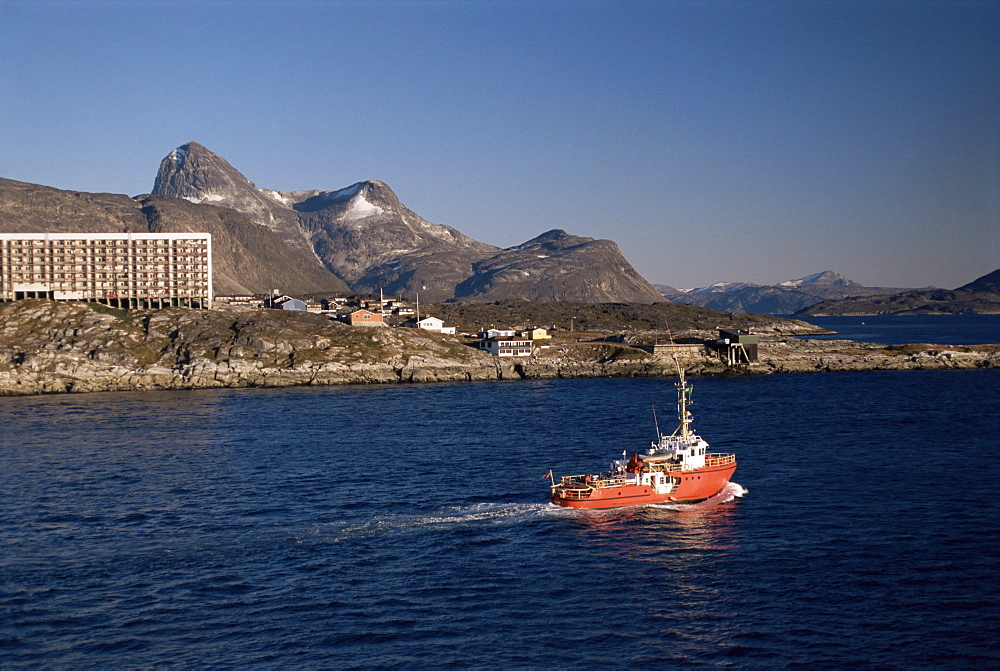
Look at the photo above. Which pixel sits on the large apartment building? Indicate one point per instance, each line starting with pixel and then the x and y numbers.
pixel 125 270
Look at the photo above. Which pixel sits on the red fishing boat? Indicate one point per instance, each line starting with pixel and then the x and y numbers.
pixel 677 468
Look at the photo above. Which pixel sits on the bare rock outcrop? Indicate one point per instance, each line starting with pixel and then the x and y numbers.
pixel 53 347
pixel 48 347
pixel 804 356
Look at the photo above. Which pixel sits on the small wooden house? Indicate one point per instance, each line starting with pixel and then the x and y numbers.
pixel 536 334
pixel 365 318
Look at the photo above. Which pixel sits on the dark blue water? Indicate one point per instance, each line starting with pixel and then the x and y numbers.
pixel 407 526
pixel 903 329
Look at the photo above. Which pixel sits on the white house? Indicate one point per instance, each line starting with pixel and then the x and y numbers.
pixel 506 346
pixel 435 324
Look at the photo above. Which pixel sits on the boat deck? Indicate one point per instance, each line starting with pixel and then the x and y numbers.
pixel 586 482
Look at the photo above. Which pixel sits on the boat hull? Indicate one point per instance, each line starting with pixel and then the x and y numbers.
pixel 694 486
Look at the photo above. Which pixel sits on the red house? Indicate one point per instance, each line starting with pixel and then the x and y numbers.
pixel 365 318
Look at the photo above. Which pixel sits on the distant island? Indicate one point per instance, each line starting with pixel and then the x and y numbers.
pixel 981 296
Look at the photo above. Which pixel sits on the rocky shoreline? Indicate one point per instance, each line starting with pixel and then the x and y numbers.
pixel 50 347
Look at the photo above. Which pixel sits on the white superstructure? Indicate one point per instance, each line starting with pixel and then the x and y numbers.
pixel 683 445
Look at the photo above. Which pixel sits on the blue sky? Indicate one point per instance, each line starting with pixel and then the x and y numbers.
pixel 713 141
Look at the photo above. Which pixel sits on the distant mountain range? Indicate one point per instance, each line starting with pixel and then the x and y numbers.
pixel 981 296
pixel 784 298
pixel 359 238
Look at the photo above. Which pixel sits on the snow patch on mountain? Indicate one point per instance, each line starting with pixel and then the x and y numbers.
pixel 718 287
pixel 207 198
pixel 362 209
pixel 808 279
pixel 827 277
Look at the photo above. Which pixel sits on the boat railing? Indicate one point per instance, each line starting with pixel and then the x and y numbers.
pixel 581 483
pixel 719 459
pixel 575 494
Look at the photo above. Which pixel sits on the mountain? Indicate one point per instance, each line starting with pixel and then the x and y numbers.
pixel 359 238
pixel 722 288
pixel 558 266
pixel 989 283
pixel 981 296
pixel 365 236
pixel 784 298
pixel 361 233
pixel 827 278
pixel 247 259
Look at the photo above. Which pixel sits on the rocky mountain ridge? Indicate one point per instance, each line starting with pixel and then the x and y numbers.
pixel 786 297
pixel 981 296
pixel 365 236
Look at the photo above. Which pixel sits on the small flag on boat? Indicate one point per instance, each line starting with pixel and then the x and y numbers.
pixel 547 475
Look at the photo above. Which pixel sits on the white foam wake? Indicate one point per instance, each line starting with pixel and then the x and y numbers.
pixel 486 512
pixel 502 513
pixel 480 513
pixel 731 491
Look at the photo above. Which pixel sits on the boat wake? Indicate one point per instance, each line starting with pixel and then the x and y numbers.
pixel 489 512
pixel 731 491
pixel 499 514
pixel 476 514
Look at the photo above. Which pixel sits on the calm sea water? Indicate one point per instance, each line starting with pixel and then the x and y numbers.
pixel 899 330
pixel 408 526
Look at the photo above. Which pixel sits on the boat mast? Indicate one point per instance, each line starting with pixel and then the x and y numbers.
pixel 682 403
pixel 682 392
